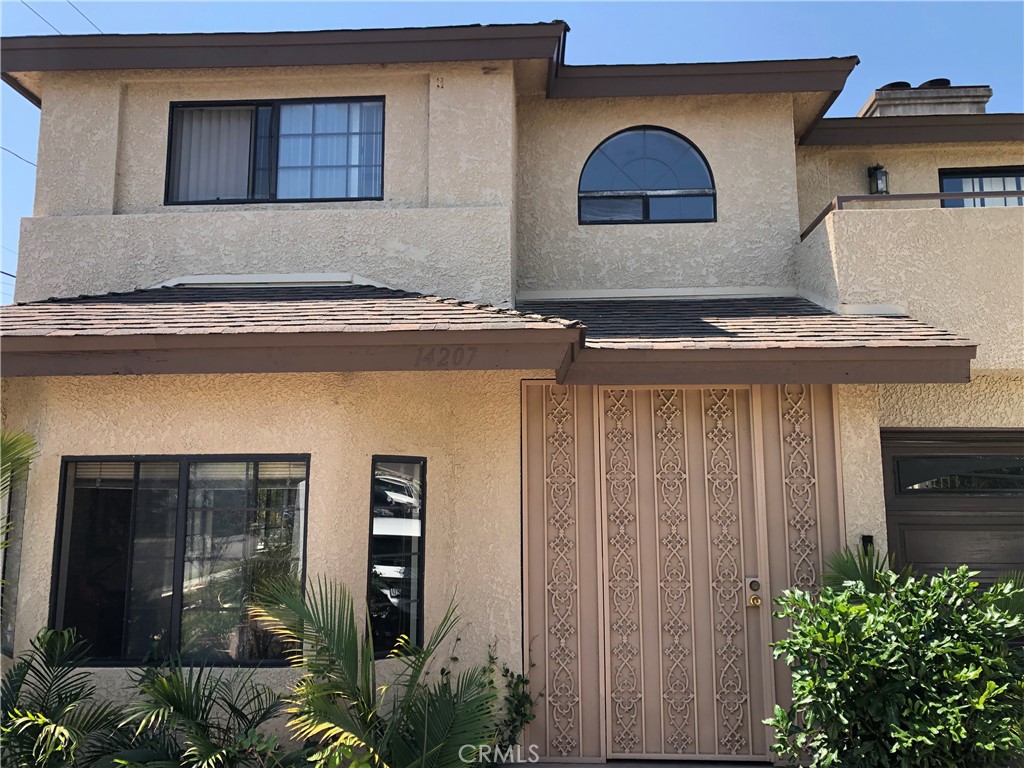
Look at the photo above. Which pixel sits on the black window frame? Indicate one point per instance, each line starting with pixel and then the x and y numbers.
pixel 184 460
pixel 275 120
pixel 988 170
pixel 382 653
pixel 645 196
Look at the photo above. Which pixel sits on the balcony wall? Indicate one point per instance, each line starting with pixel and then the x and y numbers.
pixel 956 268
pixel 459 252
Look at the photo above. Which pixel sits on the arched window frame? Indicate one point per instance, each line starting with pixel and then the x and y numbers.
pixel 646 195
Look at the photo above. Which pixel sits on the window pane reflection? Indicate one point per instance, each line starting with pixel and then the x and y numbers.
pixel 242 528
pixel 396 558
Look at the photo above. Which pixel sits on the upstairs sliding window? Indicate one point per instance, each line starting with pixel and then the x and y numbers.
pixel 276 151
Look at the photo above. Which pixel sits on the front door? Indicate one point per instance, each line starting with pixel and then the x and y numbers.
pixel 685 672
pixel 649 565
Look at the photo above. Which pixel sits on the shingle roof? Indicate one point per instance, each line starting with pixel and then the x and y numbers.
pixel 184 310
pixel 739 323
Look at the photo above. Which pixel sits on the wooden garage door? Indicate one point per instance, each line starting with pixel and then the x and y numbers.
pixel 954 498
pixel 658 525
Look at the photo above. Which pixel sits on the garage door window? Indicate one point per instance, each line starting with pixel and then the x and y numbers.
pixel 960 474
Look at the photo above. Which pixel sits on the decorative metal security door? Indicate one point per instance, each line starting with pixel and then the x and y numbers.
pixel 649 568
pixel 684 671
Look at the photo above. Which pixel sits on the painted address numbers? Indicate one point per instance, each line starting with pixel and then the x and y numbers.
pixel 445 357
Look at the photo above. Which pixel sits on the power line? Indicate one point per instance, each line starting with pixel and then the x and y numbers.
pixel 5 149
pixel 8 274
pixel 84 16
pixel 9 250
pixel 44 20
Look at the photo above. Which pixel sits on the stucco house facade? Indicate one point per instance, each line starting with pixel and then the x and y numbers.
pixel 611 354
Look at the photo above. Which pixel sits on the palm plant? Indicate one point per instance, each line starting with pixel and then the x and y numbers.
pixel 412 722
pixel 860 565
pixel 50 717
pixel 195 717
pixel 17 450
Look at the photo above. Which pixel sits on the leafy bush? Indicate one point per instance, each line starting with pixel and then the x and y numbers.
pixel 412 722
pixel 199 718
pixel 918 673
pixel 50 716
pixel 517 705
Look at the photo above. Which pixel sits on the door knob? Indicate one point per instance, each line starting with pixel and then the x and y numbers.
pixel 755 601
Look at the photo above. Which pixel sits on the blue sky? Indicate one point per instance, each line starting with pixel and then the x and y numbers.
pixel 968 42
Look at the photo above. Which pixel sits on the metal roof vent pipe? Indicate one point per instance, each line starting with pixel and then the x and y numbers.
pixel 932 97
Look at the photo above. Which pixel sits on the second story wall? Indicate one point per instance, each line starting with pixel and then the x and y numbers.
pixel 825 172
pixel 444 224
pixel 748 143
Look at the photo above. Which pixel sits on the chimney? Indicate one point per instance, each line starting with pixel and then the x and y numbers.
pixel 933 97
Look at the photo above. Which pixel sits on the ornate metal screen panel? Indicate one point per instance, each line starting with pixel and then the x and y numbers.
pixel 647 520
pixel 562 570
pixel 681 543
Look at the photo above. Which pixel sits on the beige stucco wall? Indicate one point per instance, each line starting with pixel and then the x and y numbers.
pixel 456 252
pixel 448 144
pixel 825 172
pixel 988 402
pixel 748 142
pixel 861 462
pixel 958 269
pixel 465 424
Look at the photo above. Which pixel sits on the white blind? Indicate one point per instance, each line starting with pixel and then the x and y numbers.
pixel 211 154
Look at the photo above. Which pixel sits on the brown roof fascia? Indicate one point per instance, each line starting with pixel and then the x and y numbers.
pixel 77 355
pixel 44 53
pixel 735 77
pixel 836 365
pixel 916 129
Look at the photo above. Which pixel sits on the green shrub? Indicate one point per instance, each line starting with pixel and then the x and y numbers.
pixel 51 718
pixel 917 674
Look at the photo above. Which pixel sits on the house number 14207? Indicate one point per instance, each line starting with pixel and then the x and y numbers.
pixel 445 357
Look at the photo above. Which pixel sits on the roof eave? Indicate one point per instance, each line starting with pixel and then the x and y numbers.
pixel 736 77
pixel 48 53
pixel 916 129
pixel 839 365
pixel 290 352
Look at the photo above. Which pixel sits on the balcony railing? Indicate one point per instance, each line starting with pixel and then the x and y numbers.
pixel 843 201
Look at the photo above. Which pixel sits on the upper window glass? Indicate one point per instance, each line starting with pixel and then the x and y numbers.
pixel 960 474
pixel 262 152
pixel 160 557
pixel 1009 179
pixel 646 175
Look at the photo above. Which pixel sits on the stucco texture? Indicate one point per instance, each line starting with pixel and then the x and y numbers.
pixel 825 172
pixel 961 269
pixel 454 252
pixel 465 424
pixel 448 144
pixel 988 402
pixel 752 242
pixel 861 461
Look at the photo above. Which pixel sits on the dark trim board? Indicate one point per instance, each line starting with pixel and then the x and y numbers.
pixel 773 366
pixel 916 129
pixel 49 53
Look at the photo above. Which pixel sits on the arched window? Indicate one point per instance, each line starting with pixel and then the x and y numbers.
pixel 646 175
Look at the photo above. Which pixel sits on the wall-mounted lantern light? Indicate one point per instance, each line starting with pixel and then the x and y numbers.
pixel 878 180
